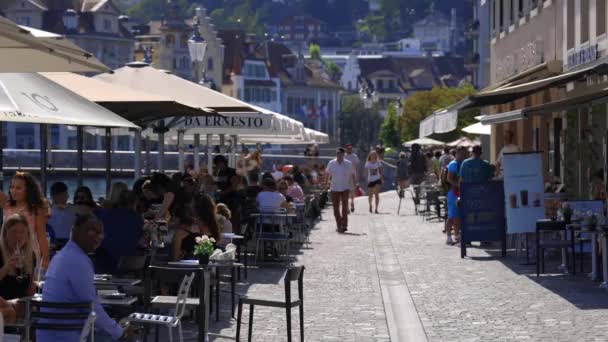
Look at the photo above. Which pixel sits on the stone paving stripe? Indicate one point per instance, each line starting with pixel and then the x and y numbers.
pixel 402 318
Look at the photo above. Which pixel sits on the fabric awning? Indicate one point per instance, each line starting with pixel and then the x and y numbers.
pixel 590 97
pixel 133 105
pixel 30 97
pixel 427 126
pixel 514 115
pixel 443 120
pixel 510 93
pixel 23 49
pixel 145 78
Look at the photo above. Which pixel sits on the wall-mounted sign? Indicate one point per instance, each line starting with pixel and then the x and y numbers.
pixel 582 56
pixel 524 58
pixel 241 121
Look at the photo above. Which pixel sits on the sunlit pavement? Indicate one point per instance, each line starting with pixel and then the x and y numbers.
pixel 393 278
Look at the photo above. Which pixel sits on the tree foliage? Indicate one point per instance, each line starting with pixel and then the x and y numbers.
pixel 422 104
pixel 334 71
pixel 315 51
pixel 389 132
pixel 359 125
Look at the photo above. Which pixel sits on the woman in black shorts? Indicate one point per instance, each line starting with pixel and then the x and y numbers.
pixel 373 166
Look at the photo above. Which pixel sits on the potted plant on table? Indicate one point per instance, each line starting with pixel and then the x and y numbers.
pixel 204 248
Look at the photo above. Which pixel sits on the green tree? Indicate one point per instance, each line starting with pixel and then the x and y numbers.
pixel 389 132
pixel 359 125
pixel 423 103
pixel 315 51
pixel 333 70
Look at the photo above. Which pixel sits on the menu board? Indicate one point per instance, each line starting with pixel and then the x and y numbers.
pixel 482 208
pixel 524 191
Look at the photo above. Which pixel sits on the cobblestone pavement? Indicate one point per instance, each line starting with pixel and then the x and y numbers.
pixel 342 298
pixel 479 298
pixel 486 298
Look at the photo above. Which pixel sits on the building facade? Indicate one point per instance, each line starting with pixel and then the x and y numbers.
pixel 247 74
pixel 477 33
pixel 165 44
pixel 437 32
pixel 388 79
pixel 548 73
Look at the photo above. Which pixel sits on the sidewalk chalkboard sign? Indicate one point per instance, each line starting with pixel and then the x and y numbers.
pixel 482 209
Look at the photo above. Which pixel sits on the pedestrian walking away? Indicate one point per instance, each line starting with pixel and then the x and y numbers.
pixel 340 174
pixel 354 159
pixel 403 175
pixel 374 179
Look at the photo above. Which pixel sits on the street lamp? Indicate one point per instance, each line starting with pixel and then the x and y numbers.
pixel 198 49
pixel 399 107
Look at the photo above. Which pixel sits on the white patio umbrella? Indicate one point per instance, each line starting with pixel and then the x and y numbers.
pixel 463 141
pixel 30 97
pixel 23 49
pixel 424 142
pixel 316 136
pixel 478 128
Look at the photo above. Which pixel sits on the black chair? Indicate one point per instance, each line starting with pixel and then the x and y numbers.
pixel 62 317
pixel 159 276
pixel 555 227
pixel 292 274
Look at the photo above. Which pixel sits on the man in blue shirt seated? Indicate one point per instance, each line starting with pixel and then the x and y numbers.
pixel 69 279
pixel 476 169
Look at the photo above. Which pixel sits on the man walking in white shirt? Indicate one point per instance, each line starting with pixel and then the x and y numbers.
pixel 340 174
pixel 354 159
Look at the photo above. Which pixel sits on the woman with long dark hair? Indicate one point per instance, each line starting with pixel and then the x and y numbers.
pixel 197 218
pixel 25 198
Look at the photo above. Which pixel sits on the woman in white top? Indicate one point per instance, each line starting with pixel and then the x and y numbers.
pixel 373 166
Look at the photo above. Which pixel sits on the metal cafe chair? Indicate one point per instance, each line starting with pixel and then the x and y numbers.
pixel 542 242
pixel 63 317
pixel 169 321
pixel 292 274
pixel 275 220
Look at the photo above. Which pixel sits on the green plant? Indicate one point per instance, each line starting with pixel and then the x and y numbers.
pixel 204 245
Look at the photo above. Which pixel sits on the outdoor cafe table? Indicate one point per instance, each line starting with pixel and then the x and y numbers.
pixel 126 301
pixel 103 280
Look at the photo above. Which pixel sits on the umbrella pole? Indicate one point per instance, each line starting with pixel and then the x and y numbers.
pixel 180 149
pixel 197 147
pixel 108 138
pixel 147 168
pixel 43 157
pixel 209 157
pixel 235 139
pixel 79 154
pixel 161 146
pixel 137 160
